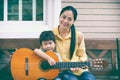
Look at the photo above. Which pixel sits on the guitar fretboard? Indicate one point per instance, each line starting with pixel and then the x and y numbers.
pixel 70 64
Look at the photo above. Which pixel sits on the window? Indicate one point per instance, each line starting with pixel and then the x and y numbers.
pixel 1 10
pixel 25 10
pixel 39 10
pixel 27 18
pixel 13 11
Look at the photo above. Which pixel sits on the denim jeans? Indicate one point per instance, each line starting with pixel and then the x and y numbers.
pixel 68 75
pixel 86 76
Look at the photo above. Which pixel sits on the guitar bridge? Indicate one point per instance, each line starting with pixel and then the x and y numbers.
pixel 26 66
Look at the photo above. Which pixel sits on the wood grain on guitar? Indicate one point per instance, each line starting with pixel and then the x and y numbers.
pixel 25 65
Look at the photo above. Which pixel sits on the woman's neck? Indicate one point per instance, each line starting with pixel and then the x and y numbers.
pixel 63 32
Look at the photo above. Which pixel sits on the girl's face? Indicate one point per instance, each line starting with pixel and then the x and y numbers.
pixel 66 19
pixel 48 45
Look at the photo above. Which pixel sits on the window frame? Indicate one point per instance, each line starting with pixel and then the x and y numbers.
pixel 31 29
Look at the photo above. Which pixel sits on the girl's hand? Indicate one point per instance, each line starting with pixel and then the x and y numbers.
pixel 51 61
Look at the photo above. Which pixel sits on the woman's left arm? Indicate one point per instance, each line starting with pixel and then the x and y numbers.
pixel 81 51
pixel 80 55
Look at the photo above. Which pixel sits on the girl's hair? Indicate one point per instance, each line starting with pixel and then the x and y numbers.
pixel 46 36
pixel 73 33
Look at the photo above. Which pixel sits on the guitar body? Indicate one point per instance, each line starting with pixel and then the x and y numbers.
pixel 25 65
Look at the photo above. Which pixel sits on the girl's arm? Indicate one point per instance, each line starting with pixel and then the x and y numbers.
pixel 40 53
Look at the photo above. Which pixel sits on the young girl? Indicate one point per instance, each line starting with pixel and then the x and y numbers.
pixel 47 43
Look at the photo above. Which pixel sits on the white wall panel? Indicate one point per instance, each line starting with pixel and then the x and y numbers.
pixel 97 18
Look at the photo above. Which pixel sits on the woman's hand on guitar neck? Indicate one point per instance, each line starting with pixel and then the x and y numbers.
pixel 74 69
pixel 77 69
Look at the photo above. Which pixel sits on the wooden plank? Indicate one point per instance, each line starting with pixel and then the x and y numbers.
pixel 90 0
pixel 7 53
pixel 19 43
pixel 95 43
pixel 102 54
pixel 113 52
pixel 106 78
pixel 4 60
pixel 91 54
pixel 99 17
pixel 97 23
pixel 2 66
pixel 97 29
pixel 118 46
pixel 101 44
pixel 101 35
pixel 93 5
pixel 118 55
pixel 105 73
pixel 99 11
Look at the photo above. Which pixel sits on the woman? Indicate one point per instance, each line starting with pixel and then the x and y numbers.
pixel 70 45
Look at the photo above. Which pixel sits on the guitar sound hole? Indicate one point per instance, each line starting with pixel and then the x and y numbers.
pixel 44 65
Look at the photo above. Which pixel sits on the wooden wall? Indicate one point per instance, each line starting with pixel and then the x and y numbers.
pixel 97 18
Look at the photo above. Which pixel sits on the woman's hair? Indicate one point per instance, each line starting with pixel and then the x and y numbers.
pixel 70 8
pixel 73 33
pixel 46 36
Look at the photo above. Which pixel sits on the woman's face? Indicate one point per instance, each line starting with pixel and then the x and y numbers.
pixel 66 19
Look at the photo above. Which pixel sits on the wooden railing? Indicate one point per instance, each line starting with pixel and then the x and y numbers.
pixel 108 49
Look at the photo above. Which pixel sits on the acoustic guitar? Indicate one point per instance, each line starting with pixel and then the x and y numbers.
pixel 26 65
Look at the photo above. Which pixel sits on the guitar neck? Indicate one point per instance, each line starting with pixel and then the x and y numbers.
pixel 71 64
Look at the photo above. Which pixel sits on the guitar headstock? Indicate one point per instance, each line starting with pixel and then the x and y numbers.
pixel 99 63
